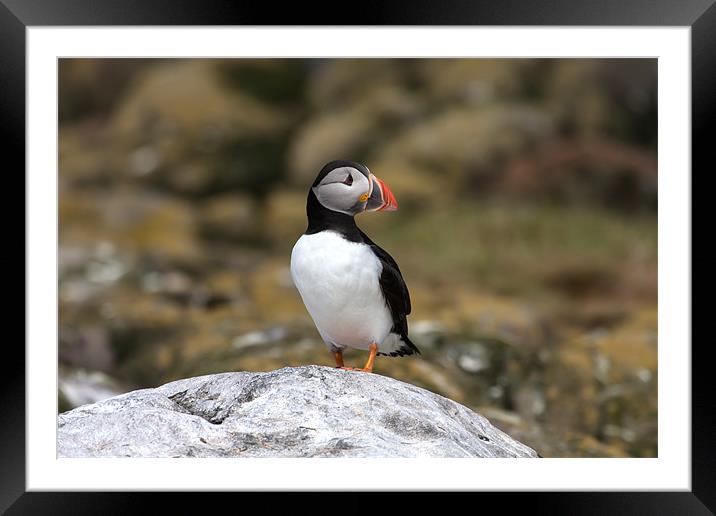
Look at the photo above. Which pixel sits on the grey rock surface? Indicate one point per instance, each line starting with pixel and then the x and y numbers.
pixel 310 411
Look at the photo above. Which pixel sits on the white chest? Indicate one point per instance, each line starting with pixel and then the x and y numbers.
pixel 339 283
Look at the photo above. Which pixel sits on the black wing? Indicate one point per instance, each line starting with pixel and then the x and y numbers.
pixel 394 289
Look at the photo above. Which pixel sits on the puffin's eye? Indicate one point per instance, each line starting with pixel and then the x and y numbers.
pixel 348 181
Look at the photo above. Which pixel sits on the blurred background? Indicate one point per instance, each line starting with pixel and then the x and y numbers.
pixel 527 229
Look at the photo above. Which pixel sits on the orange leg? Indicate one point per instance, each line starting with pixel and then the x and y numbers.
pixel 368 365
pixel 371 358
pixel 338 355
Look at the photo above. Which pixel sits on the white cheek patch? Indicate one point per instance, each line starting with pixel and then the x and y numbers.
pixel 337 196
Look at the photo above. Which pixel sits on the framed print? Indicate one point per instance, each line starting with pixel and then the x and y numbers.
pixel 212 255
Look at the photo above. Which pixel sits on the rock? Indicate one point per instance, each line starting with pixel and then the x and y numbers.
pixel 307 411
pixel 275 81
pixel 612 97
pixel 132 221
pixel 378 112
pixel 88 347
pixel 467 147
pixel 92 87
pixel 231 216
pixel 322 139
pixel 161 136
pixel 286 216
pixel 611 376
pixel 79 386
pixel 337 82
pixel 473 81
pixel 163 100
pixel 415 183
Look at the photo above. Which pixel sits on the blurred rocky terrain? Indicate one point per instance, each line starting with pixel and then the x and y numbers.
pixel 527 228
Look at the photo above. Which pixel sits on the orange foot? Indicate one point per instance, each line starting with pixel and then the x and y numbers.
pixel 368 365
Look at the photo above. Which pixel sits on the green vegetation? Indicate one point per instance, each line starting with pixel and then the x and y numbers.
pixel 512 247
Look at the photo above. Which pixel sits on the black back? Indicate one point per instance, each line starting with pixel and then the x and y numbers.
pixel 393 286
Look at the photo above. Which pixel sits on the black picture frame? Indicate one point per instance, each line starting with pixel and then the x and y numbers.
pixel 17 15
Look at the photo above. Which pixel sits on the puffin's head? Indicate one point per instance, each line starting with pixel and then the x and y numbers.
pixel 349 187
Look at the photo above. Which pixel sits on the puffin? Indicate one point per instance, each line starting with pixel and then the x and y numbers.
pixel 352 288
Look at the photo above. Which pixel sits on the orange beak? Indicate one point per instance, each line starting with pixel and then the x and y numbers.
pixel 381 197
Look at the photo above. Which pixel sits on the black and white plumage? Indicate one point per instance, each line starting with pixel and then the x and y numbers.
pixel 352 288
